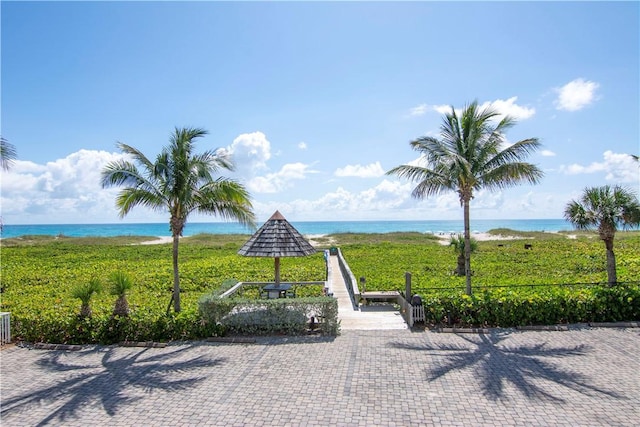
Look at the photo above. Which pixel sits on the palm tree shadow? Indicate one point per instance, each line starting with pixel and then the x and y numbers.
pixel 526 367
pixel 110 381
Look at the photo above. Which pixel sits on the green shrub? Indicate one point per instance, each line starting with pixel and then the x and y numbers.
pixel 275 316
pixel 545 306
pixel 109 329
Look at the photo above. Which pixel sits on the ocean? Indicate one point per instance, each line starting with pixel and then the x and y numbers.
pixel 304 227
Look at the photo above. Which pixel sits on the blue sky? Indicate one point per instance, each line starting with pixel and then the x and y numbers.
pixel 315 101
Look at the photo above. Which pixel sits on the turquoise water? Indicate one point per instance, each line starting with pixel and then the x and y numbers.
pixel 304 227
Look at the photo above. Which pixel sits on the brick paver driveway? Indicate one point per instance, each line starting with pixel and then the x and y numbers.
pixel 577 378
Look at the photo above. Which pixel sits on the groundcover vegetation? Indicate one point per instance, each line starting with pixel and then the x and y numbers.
pixel 38 275
pixel 557 280
pixel 512 285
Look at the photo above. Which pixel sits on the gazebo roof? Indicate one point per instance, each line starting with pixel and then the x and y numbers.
pixel 277 238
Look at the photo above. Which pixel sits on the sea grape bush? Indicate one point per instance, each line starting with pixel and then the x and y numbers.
pixel 513 286
pixel 37 282
pixel 556 260
pixel 510 283
pixel 507 308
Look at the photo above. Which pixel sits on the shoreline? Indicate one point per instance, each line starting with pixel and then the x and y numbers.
pixel 442 237
pixel 151 230
pixel 326 239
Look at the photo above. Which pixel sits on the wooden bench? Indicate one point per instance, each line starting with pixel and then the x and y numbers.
pixel 379 296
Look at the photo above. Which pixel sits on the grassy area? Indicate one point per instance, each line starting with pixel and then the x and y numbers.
pixel 553 258
pixel 38 274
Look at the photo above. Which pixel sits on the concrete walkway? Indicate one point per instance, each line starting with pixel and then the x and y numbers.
pixel 582 377
pixel 377 317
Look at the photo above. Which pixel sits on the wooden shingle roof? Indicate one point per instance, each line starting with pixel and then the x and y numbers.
pixel 277 238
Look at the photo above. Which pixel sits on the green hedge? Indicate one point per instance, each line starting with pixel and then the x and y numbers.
pixel 508 308
pixel 106 329
pixel 265 317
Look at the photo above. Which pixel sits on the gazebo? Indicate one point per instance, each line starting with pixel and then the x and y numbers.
pixel 275 239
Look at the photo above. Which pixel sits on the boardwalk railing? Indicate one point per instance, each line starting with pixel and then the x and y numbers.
pixel 349 280
pixel 5 328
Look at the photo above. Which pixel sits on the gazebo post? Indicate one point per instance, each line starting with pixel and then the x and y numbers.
pixel 277 267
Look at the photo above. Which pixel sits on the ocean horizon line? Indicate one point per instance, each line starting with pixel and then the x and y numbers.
pixel 161 229
pixel 294 221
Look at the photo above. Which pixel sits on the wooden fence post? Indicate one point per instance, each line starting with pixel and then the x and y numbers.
pixel 407 286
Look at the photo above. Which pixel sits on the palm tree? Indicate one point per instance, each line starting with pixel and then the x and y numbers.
pixel 181 182
pixel 606 208
pixel 458 244
pixel 7 154
pixel 471 154
pixel 121 283
pixel 84 292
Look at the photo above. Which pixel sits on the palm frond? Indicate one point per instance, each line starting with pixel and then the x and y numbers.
pixel 120 172
pixel 515 152
pixel 511 174
pixel 431 148
pixel 8 154
pixel 131 197
pixel 136 155
pixel 121 282
pixel 227 199
pixel 410 172
pixel 605 207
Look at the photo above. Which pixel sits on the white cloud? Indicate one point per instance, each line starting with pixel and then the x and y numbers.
pixel 372 170
pixel 391 199
pixel 68 190
pixel 503 107
pixel 547 153
pixel 509 108
pixel 618 168
pixel 444 109
pixel 378 201
pixel 576 95
pixel 281 180
pixel 418 110
pixel 60 191
pixel 250 152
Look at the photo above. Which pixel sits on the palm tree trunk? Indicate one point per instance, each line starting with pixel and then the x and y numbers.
pixel 467 245
pixel 460 271
pixel 612 275
pixel 176 277
pixel 85 310
pixel 122 307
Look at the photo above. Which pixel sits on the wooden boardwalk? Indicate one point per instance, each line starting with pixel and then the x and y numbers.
pixel 375 317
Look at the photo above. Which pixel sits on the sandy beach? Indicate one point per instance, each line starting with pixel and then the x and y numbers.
pixel 313 238
pixel 445 238
pixel 158 241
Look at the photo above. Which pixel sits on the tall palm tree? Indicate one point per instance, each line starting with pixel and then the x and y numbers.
pixel 605 208
pixel 181 182
pixel 7 154
pixel 470 154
